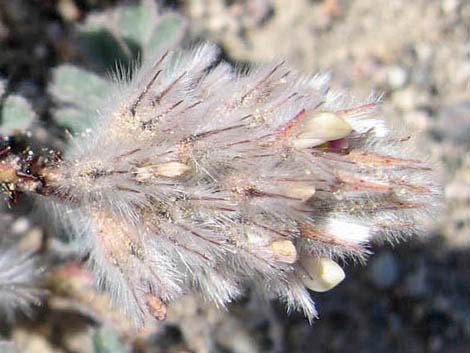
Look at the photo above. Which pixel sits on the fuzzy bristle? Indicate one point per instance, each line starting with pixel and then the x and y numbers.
pixel 19 272
pixel 199 179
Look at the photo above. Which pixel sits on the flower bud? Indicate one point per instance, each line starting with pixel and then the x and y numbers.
pixel 156 307
pixel 320 274
pixel 7 173
pixel 284 251
pixel 320 128
pixel 302 191
pixel 169 170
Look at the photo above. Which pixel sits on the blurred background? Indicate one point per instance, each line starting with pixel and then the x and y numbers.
pixel 411 297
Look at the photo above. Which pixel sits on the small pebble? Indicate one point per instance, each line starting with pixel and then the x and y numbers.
pixel 383 270
pixel 20 226
pixel 416 283
pixel 417 119
pixel 449 7
pixel 410 98
pixel 397 77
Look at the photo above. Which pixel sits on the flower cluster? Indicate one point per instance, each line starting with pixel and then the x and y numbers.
pixel 18 274
pixel 198 178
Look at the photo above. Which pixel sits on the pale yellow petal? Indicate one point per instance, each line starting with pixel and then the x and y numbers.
pixel 320 274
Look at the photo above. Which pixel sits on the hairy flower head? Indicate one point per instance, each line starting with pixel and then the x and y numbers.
pixel 196 178
pixel 19 272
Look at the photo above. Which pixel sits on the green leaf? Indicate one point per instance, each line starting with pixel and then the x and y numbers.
pixel 106 340
pixel 3 87
pixel 136 22
pixel 82 88
pixel 7 347
pixel 16 115
pixel 125 32
pixel 103 49
pixel 167 34
pixel 74 119
pixel 79 94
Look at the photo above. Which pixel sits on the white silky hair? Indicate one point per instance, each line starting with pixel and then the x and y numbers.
pixel 238 203
pixel 19 272
pixel 348 230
